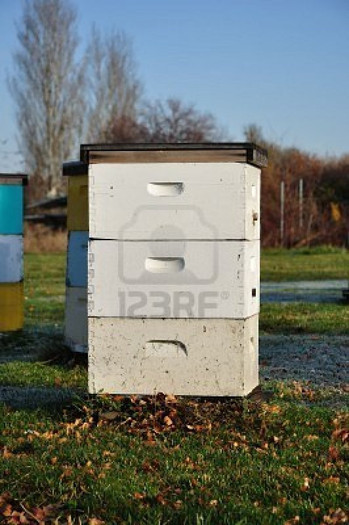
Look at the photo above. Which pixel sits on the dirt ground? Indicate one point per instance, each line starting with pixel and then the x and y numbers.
pixel 322 360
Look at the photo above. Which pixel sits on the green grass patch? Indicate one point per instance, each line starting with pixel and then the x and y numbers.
pixel 177 461
pixel 44 289
pixel 17 373
pixel 288 318
pixel 304 264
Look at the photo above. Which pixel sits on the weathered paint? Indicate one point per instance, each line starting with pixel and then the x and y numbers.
pixel 76 319
pixel 77 203
pixel 207 357
pixel 215 201
pixel 77 259
pixel 11 306
pixel 174 279
pixel 11 258
pixel 11 209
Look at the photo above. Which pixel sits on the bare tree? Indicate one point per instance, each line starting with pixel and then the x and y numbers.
pixel 113 90
pixel 174 121
pixel 47 87
pixel 169 121
pixel 254 133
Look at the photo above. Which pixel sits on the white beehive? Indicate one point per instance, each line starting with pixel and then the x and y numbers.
pixel 173 272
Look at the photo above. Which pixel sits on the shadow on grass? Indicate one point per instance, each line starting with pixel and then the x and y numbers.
pixel 36 367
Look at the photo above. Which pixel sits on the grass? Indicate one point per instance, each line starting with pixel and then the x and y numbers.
pixel 291 318
pixel 17 373
pixel 174 461
pixel 44 289
pixel 304 264
pixel 276 459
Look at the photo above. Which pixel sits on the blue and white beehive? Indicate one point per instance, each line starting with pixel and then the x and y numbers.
pixel 11 251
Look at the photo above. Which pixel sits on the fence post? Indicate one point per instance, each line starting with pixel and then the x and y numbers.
pixel 282 211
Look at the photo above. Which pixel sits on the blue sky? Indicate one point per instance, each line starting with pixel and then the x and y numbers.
pixel 278 63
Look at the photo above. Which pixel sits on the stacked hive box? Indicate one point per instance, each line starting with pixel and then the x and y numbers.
pixel 173 280
pixel 76 279
pixel 11 251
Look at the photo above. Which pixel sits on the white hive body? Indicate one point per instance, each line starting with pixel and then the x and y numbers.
pixel 174 279
pixel 76 318
pixel 173 267
pixel 207 357
pixel 11 257
pixel 194 200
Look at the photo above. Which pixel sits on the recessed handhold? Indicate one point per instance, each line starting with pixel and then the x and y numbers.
pixel 164 345
pixel 165 189
pixel 164 264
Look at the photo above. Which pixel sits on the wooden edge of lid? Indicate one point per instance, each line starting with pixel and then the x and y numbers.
pixel 14 178
pixel 250 152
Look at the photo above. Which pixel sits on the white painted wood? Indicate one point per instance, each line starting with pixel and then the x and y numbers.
pixel 75 329
pixel 11 258
pixel 174 279
pixel 77 259
pixel 174 201
pixel 211 357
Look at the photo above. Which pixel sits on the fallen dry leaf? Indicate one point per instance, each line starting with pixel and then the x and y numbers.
pixel 168 421
pixel 306 484
pixel 333 453
pixel 6 454
pixel 139 495
pixel 332 479
pixel 160 499
pixel 341 434
pixel 335 517
pixel 6 509
pixel 292 521
pixel 109 416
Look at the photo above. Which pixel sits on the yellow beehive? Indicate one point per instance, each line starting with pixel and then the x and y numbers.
pixel 78 203
pixel 11 306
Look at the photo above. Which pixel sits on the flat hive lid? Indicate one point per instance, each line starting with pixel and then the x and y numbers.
pixel 245 152
pixel 14 178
